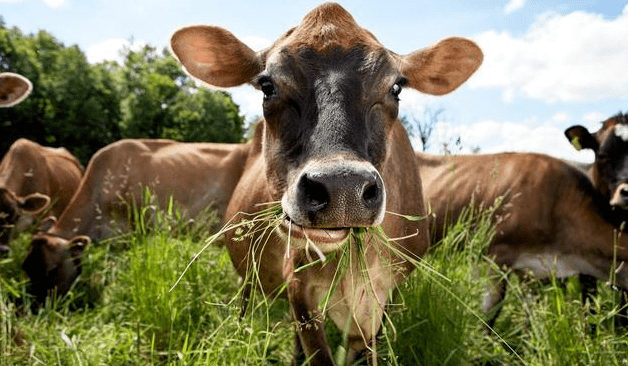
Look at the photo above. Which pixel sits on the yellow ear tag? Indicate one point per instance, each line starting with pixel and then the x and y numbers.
pixel 576 143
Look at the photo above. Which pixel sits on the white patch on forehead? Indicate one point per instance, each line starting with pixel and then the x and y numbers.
pixel 621 131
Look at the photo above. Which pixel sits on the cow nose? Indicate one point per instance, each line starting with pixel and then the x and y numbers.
pixel 620 196
pixel 341 195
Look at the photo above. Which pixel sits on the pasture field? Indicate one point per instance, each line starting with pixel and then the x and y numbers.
pixel 122 310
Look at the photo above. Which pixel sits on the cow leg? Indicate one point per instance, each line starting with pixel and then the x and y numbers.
pixel 492 300
pixel 309 321
pixel 298 356
pixel 246 297
pixel 588 290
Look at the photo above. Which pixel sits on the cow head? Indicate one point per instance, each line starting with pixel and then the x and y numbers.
pixel 13 88
pixel 331 99
pixel 610 169
pixel 53 263
pixel 13 208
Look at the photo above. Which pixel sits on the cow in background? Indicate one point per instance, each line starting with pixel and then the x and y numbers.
pixel 31 175
pixel 552 218
pixel 34 179
pixel 332 153
pixel 195 175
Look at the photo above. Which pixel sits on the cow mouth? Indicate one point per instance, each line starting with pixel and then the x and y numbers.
pixel 325 239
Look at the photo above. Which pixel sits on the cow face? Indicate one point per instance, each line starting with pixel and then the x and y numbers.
pixel 610 169
pixel 53 263
pixel 330 101
pixel 13 208
pixel 13 89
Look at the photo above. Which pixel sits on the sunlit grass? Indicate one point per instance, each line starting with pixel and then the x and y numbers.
pixel 162 293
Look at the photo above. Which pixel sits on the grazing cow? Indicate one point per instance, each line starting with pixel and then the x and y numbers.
pixel 13 89
pixel 333 154
pixel 552 218
pixel 31 176
pixel 195 175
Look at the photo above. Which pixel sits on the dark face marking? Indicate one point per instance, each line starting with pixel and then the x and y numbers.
pixel 319 105
pixel 612 160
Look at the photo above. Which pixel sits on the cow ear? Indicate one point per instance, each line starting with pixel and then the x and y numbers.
pixel 78 244
pixel 13 88
pixel 581 138
pixel 442 68
pixel 34 203
pixel 214 55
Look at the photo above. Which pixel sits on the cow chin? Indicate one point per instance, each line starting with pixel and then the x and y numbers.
pixel 325 240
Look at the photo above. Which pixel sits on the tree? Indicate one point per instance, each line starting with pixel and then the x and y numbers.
pixel 161 101
pixel 84 107
pixel 423 126
pixel 73 104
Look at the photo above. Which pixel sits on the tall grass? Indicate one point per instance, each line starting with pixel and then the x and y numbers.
pixel 124 309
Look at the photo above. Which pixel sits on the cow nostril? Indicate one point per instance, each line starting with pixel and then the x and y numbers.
pixel 623 191
pixel 371 194
pixel 315 195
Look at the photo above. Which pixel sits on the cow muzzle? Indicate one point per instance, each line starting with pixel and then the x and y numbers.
pixel 327 199
pixel 619 198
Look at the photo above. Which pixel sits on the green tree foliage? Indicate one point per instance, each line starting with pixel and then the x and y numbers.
pixel 73 103
pixel 161 101
pixel 84 107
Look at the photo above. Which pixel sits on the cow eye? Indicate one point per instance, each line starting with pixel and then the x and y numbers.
pixel 268 88
pixel 396 90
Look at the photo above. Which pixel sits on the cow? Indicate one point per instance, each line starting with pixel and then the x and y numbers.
pixel 609 171
pixel 195 175
pixel 31 178
pixel 13 89
pixel 552 218
pixel 334 158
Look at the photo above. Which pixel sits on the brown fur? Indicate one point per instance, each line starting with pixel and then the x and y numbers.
pixel 30 172
pixel 550 210
pixel 196 175
pixel 332 151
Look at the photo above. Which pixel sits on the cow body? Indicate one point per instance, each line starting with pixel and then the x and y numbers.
pixel 552 219
pixel 195 175
pixel 32 176
pixel 333 155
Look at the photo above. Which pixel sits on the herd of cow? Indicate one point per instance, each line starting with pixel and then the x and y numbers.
pixel 332 152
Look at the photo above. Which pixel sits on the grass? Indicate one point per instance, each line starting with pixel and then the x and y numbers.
pixel 124 309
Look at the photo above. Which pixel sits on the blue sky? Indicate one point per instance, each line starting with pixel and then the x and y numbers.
pixel 548 64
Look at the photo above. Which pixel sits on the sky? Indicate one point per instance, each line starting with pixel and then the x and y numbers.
pixel 547 65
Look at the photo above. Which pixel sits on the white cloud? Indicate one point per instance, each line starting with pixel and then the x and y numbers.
pixel 55 4
pixel 528 135
pixel 256 43
pixel 575 57
pixel 110 50
pixel 513 5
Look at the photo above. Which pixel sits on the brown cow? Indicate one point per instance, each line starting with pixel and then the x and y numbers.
pixel 196 175
pixel 332 152
pixel 31 176
pixel 13 89
pixel 552 218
